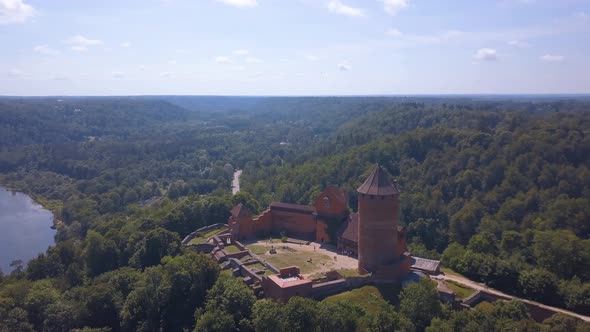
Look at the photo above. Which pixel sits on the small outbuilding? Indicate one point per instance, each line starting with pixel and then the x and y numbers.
pixel 429 266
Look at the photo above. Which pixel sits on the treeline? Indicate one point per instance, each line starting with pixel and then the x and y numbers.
pixel 498 189
pixel 499 182
pixel 129 273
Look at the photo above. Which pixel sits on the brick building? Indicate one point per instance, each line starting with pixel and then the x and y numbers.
pixel 382 247
pixel 294 220
pixel 373 234
pixel 288 283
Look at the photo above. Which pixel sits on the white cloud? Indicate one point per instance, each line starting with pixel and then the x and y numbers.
pixel 552 58
pixel 337 7
pixel 172 62
pixel 80 43
pixel 15 11
pixel 402 39
pixel 241 52
pixel 222 59
pixel 240 3
pixel 312 57
pixel 343 66
pixel 79 48
pixel 394 6
pixel 253 60
pixel 394 32
pixel 16 73
pixel 518 43
pixel 167 74
pixel 118 74
pixel 126 44
pixel 80 40
pixel 44 49
pixel 486 54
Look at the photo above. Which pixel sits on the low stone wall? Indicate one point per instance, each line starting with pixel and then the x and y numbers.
pixel 239 245
pixel 324 289
pixel 239 254
pixel 247 272
pixel 263 262
pixel 192 235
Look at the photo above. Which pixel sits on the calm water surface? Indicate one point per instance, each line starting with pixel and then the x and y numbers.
pixel 24 228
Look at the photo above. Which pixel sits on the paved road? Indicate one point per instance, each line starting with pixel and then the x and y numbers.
pixel 235 184
pixel 478 286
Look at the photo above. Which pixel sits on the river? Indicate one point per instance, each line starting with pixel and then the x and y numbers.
pixel 235 184
pixel 25 228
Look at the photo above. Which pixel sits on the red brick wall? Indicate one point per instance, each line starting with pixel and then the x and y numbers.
pixel 294 224
pixel 321 233
pixel 337 202
pixel 378 240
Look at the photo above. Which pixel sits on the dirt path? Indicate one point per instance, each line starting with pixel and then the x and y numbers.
pixel 478 286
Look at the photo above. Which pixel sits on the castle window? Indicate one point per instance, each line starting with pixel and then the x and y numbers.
pixel 327 202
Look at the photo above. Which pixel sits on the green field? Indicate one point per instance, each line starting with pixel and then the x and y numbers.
pixel 257 249
pixel 461 290
pixel 448 271
pixel 232 249
pixel 203 238
pixel 370 298
pixel 261 267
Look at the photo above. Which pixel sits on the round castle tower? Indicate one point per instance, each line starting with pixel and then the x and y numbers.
pixel 378 213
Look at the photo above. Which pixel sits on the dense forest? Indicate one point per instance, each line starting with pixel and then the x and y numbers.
pixel 499 190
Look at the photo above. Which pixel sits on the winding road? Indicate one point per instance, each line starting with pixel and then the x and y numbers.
pixel 235 184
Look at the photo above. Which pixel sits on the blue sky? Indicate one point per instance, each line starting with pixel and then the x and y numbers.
pixel 293 47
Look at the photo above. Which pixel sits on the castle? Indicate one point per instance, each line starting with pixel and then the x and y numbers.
pixel 373 233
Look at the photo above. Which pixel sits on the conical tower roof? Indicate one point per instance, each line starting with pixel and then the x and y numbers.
pixel 378 183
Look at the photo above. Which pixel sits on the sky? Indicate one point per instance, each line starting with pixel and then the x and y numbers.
pixel 294 47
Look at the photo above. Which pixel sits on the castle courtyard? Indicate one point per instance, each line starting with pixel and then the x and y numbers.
pixel 313 259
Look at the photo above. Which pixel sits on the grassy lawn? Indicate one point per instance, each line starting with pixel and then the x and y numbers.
pixel 257 249
pixel 368 297
pixel 462 291
pixel 348 273
pixel 203 238
pixel 448 271
pixel 232 249
pixel 261 267
pixel 284 258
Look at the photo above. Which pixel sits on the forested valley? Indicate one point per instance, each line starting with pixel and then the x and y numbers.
pixel 498 189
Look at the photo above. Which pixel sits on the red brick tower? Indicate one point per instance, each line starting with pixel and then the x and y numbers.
pixel 378 213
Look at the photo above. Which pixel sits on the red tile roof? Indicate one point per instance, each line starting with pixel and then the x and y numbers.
pixel 378 183
pixel 350 229
pixel 306 209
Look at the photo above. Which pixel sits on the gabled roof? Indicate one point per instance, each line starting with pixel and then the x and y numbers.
pixel 378 183
pixel 296 208
pixel 350 228
pixel 240 211
pixel 429 265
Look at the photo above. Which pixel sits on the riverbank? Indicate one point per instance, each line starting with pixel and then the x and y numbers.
pixel 54 206
pixel 25 228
